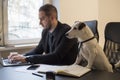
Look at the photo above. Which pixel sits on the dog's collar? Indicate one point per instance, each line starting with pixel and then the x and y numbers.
pixel 80 43
pixel 88 40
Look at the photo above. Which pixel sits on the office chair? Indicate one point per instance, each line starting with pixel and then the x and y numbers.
pixel 112 42
pixel 93 26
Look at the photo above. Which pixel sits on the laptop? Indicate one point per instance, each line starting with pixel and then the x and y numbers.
pixel 6 62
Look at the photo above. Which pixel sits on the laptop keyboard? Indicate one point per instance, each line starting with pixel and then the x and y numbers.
pixel 6 61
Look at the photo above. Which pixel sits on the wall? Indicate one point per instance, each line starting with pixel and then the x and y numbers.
pixel 72 10
pixel 103 10
pixel 109 10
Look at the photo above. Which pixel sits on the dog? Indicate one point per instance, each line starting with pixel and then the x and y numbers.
pixel 90 50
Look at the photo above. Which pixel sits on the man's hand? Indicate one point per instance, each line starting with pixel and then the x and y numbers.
pixel 14 56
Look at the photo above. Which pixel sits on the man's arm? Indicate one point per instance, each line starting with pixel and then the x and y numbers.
pixel 38 50
pixel 58 54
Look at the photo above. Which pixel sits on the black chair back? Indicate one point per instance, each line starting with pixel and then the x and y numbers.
pixel 112 41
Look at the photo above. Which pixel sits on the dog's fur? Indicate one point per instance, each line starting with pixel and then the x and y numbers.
pixel 90 50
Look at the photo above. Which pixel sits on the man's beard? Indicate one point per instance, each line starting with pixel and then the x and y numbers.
pixel 49 26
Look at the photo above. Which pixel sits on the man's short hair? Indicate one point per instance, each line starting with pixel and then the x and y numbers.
pixel 49 10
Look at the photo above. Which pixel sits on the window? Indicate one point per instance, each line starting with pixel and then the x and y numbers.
pixel 21 21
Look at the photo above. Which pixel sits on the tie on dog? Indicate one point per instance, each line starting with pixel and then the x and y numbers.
pixel 81 43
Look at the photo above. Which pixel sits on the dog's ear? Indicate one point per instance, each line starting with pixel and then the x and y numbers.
pixel 82 25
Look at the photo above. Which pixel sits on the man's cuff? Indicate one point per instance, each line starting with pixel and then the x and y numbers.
pixel 27 59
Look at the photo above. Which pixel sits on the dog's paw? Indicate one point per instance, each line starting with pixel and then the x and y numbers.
pixel 89 67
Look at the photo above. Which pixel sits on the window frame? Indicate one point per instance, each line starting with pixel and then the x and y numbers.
pixel 1 24
pixel 5 26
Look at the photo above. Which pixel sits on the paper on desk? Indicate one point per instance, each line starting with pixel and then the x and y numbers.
pixel 24 69
pixel 71 70
pixel 42 67
pixel 45 68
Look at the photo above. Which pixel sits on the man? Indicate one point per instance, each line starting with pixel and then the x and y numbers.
pixel 58 49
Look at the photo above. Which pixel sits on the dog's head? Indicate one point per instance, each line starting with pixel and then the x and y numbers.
pixel 74 31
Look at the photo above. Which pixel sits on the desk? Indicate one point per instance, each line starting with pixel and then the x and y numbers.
pixel 9 73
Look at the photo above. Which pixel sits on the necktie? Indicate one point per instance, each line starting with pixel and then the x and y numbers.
pixel 50 41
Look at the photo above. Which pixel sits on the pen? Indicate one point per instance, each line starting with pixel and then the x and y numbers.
pixel 37 74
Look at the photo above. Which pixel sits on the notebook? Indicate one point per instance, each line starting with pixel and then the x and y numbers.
pixel 6 62
pixel 70 70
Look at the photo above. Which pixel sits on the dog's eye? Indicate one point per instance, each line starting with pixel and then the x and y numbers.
pixel 74 28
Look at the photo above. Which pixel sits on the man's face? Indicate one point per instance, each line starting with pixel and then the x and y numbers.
pixel 45 21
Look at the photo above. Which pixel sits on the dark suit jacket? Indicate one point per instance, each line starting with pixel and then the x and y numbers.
pixel 64 50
